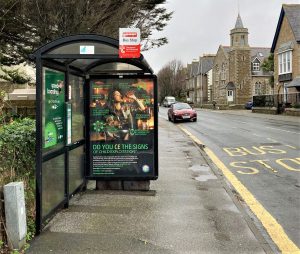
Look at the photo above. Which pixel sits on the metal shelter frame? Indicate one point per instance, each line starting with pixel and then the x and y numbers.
pixel 63 55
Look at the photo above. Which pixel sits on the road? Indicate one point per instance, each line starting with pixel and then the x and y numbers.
pixel 263 153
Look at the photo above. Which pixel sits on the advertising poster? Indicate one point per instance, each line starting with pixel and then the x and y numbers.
pixel 122 127
pixel 54 109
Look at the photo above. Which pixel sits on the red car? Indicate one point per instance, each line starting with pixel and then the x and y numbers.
pixel 181 111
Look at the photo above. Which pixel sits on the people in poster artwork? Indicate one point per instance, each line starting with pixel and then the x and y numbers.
pixel 121 111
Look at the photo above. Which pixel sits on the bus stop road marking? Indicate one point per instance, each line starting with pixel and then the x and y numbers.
pixel 274 229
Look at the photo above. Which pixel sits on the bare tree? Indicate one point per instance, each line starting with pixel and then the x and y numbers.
pixel 171 79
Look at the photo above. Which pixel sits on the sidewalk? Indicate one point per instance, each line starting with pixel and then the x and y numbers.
pixel 187 211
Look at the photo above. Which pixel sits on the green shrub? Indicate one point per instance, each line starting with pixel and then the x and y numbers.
pixel 296 105
pixel 17 147
pixel 17 161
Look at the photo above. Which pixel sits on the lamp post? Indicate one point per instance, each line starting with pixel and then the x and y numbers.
pixel 201 84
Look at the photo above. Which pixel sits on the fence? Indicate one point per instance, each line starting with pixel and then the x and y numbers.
pixel 278 101
pixel 19 108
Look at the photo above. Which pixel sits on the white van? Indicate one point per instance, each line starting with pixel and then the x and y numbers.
pixel 168 100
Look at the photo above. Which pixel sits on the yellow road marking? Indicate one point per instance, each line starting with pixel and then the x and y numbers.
pixel 296 161
pixel 273 228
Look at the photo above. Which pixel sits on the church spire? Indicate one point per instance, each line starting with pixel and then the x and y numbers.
pixel 239 22
pixel 239 34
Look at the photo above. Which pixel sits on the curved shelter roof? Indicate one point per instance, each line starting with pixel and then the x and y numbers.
pixel 90 54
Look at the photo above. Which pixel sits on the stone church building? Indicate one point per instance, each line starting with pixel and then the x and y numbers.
pixel 237 73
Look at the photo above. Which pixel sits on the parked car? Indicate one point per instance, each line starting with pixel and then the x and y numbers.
pixel 181 112
pixel 168 101
pixel 249 105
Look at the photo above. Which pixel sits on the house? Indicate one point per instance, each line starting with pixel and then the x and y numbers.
pixel 199 76
pixel 192 72
pixel 237 73
pixel 204 78
pixel 286 49
pixel 260 79
pixel 20 98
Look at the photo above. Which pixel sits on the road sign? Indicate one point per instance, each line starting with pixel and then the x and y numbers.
pixel 129 43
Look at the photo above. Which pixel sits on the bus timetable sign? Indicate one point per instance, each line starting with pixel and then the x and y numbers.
pixel 129 43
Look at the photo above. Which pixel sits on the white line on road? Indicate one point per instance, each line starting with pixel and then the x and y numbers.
pixel 239 121
pixel 283 130
pixel 273 140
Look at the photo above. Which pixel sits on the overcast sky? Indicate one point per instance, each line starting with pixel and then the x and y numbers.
pixel 200 26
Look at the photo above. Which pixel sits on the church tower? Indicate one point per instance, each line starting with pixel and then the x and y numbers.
pixel 239 34
pixel 239 86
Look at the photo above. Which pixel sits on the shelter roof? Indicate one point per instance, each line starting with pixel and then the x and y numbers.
pixel 88 53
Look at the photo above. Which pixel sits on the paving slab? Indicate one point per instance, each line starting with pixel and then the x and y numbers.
pixel 187 210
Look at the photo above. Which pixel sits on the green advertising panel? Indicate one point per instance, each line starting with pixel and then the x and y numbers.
pixel 122 128
pixel 54 108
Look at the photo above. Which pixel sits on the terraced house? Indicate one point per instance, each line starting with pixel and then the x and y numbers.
pixel 237 73
pixel 199 79
pixel 286 49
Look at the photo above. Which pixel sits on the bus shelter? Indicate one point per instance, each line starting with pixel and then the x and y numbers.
pixel 96 118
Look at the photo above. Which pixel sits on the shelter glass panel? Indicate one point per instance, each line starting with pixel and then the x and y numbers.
pixel 76 98
pixel 83 63
pixel 53 178
pixel 84 47
pixel 53 122
pixel 76 168
pixel 113 67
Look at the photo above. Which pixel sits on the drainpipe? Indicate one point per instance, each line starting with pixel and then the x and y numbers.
pixel 201 85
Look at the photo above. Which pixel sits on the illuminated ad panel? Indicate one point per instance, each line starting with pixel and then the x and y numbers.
pixel 122 128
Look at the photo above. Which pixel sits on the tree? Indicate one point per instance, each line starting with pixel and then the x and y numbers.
pixel 268 66
pixel 268 63
pixel 171 79
pixel 27 24
pixel 14 76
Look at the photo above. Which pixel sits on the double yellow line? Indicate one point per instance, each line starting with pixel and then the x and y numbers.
pixel 274 229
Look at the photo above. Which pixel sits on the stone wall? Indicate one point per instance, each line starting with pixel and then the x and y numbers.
pixel 240 74
pixel 265 82
pixel 222 106
pixel 218 84
pixel 291 112
pixel 271 111
pixel 204 97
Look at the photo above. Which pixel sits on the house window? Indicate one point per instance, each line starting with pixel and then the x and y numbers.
pixel 230 93
pixel 285 62
pixel 243 40
pixel 223 72
pixel 257 89
pixel 256 66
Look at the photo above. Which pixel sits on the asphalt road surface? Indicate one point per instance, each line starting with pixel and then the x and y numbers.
pixel 263 153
